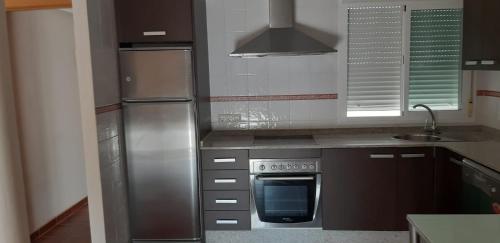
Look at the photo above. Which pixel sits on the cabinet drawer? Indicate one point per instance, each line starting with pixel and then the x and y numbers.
pixel 225 159
pixel 227 220
pixel 226 180
pixel 226 200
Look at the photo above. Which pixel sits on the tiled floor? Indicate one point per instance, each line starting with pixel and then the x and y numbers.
pixel 74 230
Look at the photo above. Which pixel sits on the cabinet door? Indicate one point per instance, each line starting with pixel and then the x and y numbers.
pixel 448 182
pixel 359 189
pixel 472 28
pixel 490 35
pixel 415 184
pixel 154 21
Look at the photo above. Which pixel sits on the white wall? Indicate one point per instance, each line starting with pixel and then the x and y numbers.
pixel 44 67
pixel 488 108
pixel 13 215
pixel 232 22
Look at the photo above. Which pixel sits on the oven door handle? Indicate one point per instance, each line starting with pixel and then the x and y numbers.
pixel 291 178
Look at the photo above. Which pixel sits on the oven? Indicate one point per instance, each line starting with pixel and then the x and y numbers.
pixel 285 193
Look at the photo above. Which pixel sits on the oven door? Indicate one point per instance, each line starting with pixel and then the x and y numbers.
pixel 286 199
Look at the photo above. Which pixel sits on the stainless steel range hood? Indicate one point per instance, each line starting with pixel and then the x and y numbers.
pixel 281 39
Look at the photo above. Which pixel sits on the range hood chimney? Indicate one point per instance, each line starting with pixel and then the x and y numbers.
pixel 282 39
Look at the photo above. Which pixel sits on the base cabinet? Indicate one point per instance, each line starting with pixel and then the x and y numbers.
pixel 359 189
pixel 226 195
pixel 448 182
pixel 415 184
pixel 374 189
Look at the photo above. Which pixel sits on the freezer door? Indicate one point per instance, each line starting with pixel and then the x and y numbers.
pixel 159 74
pixel 162 169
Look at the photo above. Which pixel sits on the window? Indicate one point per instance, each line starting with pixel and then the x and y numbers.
pixel 377 73
pixel 435 58
pixel 374 61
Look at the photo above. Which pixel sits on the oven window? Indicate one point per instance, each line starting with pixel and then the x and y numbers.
pixel 285 201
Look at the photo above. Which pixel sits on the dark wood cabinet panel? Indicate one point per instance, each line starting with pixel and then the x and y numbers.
pixel 154 21
pixel 225 159
pixel 448 182
pixel 359 189
pixel 472 43
pixel 375 189
pixel 481 34
pixel 415 184
pixel 491 32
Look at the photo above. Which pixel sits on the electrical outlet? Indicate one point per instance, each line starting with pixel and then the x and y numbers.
pixel 229 118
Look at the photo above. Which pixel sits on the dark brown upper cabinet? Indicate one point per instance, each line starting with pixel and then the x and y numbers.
pixel 154 21
pixel 481 35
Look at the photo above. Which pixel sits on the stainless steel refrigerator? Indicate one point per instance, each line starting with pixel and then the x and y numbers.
pixel 161 144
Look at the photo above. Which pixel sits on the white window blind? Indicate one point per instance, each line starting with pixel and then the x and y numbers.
pixel 435 58
pixel 374 61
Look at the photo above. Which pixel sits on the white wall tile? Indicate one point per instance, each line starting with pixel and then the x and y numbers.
pixel 488 108
pixel 279 76
pixel 279 111
pixel 324 110
pixel 258 77
pixel 258 111
pixel 301 110
pixel 233 22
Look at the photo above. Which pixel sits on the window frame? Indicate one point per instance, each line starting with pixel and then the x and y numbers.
pixel 407 38
pixel 407 116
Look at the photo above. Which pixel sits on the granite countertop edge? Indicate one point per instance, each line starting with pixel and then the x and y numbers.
pixel 482 145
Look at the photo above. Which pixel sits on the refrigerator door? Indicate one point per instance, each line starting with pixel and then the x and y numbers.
pixel 156 74
pixel 162 170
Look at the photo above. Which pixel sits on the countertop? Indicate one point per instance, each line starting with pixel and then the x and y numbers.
pixel 479 144
pixel 457 228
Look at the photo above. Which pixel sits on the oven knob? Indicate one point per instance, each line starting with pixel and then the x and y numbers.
pixel 304 166
pixel 311 167
pixel 274 167
pixel 262 167
pixel 296 166
pixel 289 166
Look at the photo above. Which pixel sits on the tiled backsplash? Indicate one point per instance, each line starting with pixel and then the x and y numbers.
pixel 488 102
pixel 231 22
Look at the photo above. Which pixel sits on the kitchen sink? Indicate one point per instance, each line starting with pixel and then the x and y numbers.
pixel 419 137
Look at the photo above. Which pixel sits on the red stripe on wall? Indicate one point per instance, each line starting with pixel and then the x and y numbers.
pixel 489 93
pixel 274 97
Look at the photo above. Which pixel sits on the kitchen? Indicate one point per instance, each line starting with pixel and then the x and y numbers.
pixel 295 121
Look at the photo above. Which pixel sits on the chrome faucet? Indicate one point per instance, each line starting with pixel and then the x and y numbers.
pixel 434 128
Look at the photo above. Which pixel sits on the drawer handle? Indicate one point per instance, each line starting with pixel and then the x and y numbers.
pixel 411 156
pixel 224 181
pixel 154 33
pixel 226 201
pixel 488 62
pixel 456 161
pixel 471 63
pixel 293 178
pixel 382 156
pixel 226 221
pixel 226 160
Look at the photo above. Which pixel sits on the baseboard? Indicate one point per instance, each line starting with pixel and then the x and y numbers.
pixel 61 218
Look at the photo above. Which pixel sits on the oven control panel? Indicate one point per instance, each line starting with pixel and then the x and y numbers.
pixel 262 166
